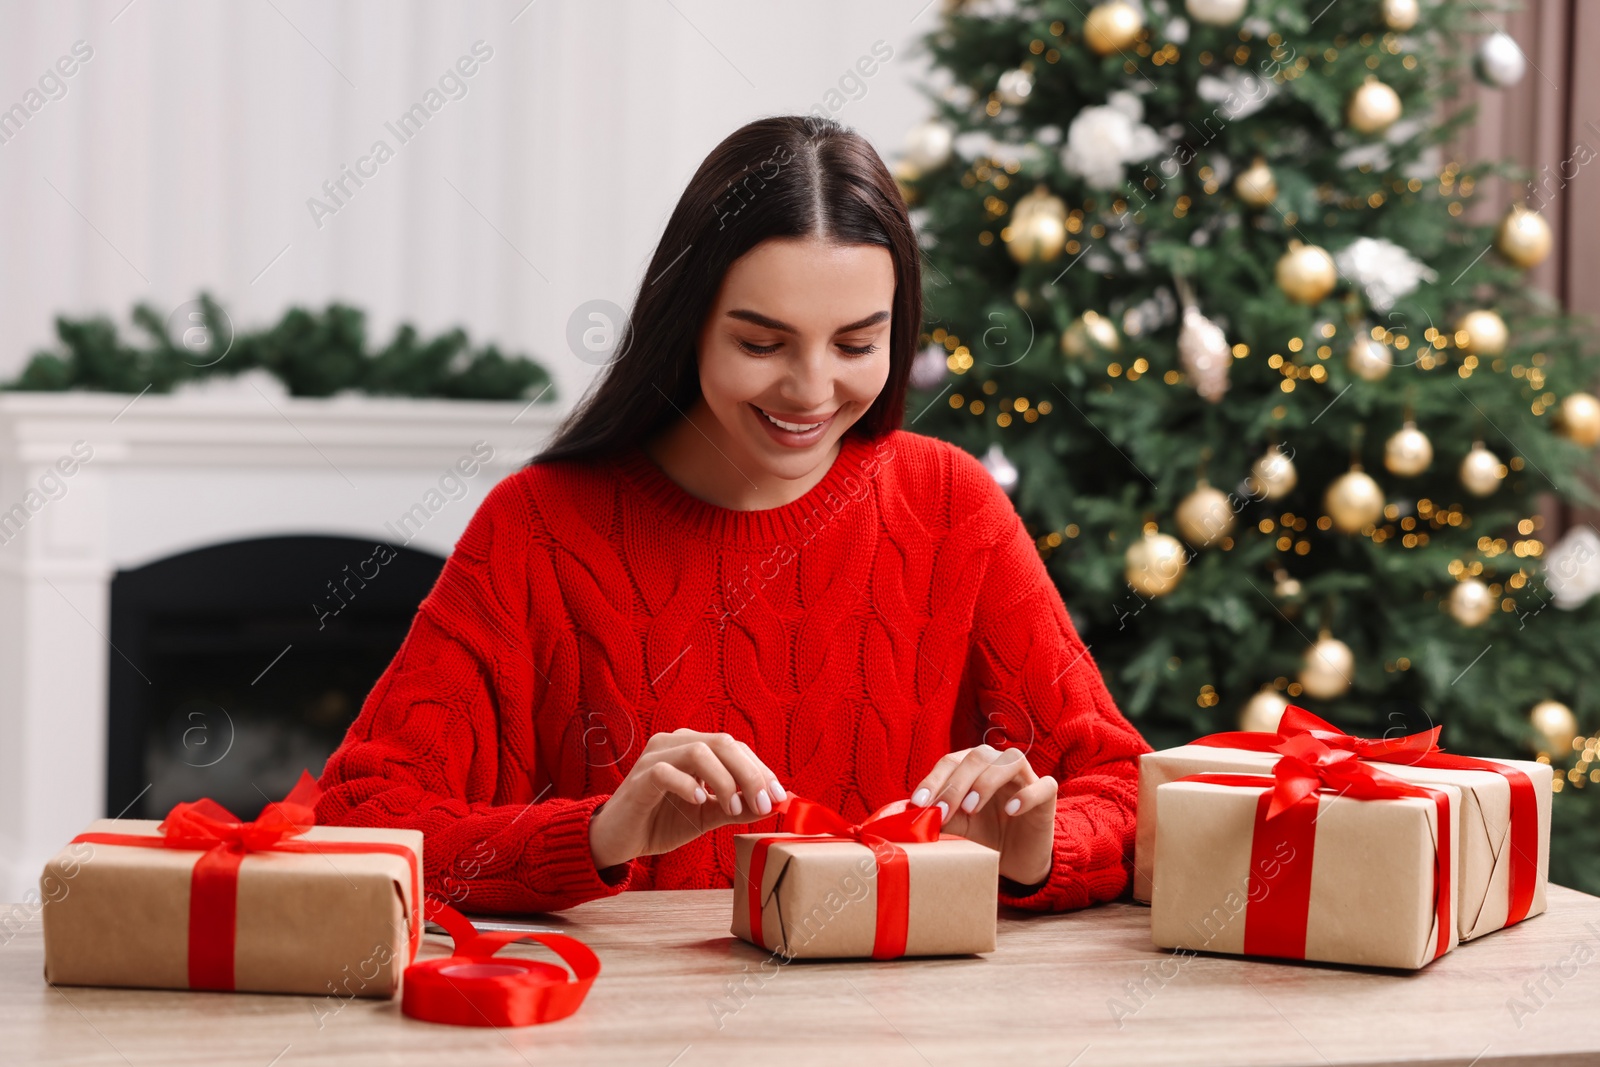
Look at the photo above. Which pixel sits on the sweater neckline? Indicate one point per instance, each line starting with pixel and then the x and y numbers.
pixel 801 517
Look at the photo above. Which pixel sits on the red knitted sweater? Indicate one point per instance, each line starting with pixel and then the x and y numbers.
pixel 895 612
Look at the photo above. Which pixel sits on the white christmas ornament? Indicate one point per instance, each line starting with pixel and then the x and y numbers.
pixel 929 367
pixel 1205 354
pixel 928 145
pixel 1102 140
pixel 1384 271
pixel 1216 12
pixel 1237 93
pixel 1572 567
pixel 1000 468
pixel 1500 61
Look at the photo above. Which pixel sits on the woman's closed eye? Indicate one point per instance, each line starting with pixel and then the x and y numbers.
pixel 767 350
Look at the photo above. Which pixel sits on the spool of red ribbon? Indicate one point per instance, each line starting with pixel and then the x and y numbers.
pixel 473 988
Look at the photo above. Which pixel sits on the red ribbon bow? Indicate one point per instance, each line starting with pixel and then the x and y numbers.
pixel 469 988
pixel 1286 815
pixel 1420 749
pixel 879 832
pixel 223 840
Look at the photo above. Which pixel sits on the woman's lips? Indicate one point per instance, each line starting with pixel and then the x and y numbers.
pixel 793 438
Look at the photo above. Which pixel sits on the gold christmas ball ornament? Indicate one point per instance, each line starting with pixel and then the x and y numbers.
pixel 1482 333
pixel 1369 359
pixel 1327 667
pixel 1400 14
pixel 1373 108
pixel 1205 516
pixel 905 174
pixel 1407 452
pixel 1471 602
pixel 1256 185
pixel 1556 724
pixel 1353 500
pixel 1113 26
pixel 1154 564
pixel 1306 273
pixel 1038 229
pixel 1014 87
pixel 1273 475
pixel 1089 331
pixel 1481 471
pixel 1262 711
pixel 1523 237
pixel 1578 419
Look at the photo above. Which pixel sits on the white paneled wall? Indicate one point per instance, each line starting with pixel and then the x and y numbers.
pixel 184 150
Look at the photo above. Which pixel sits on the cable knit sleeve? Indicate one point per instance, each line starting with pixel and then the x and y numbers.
pixel 444 743
pixel 1038 688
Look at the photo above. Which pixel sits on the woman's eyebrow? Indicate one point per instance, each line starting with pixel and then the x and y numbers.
pixel 773 324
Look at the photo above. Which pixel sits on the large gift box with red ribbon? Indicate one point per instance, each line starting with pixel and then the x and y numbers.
pixel 204 900
pixel 1327 858
pixel 889 886
pixel 1504 808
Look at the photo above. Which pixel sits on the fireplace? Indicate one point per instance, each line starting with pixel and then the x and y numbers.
pixel 245 662
pixel 192 599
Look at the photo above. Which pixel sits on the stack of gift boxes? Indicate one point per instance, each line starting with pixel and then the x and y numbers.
pixel 1311 844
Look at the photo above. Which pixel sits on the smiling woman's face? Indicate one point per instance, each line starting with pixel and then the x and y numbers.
pixel 799 333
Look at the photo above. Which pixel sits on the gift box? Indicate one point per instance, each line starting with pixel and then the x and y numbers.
pixel 1326 859
pixel 203 900
pixel 888 887
pixel 1504 810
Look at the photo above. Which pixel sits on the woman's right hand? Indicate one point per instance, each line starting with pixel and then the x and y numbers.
pixel 683 784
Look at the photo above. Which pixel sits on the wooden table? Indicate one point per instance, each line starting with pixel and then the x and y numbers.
pixel 1081 988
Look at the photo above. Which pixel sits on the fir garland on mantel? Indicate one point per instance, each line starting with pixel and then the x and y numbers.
pixel 312 353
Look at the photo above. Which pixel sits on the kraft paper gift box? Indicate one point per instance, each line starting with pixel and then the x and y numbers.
pixel 1491 846
pixel 1372 900
pixel 810 896
pixel 330 910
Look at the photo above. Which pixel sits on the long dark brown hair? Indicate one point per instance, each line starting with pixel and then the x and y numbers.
pixel 785 176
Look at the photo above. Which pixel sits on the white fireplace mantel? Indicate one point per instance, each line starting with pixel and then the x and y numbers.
pixel 166 474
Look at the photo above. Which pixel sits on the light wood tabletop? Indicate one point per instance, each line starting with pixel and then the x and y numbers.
pixel 1079 988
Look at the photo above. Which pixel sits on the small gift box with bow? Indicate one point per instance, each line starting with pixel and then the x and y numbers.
pixel 1504 809
pixel 1327 858
pixel 887 887
pixel 203 900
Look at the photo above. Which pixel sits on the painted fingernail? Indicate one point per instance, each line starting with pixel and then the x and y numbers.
pixel 763 804
pixel 735 805
pixel 777 792
pixel 969 801
pixel 944 811
pixel 920 798
pixel 1012 805
pixel 699 795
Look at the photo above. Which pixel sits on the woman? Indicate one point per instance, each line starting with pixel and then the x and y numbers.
pixel 730 577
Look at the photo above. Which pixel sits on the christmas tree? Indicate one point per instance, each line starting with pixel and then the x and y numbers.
pixel 1201 295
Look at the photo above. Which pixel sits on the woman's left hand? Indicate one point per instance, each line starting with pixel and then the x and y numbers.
pixel 992 796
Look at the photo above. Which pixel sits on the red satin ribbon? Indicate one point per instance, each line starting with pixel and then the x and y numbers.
pixel 223 841
pixel 1419 750
pixel 1286 814
pixel 470 988
pixel 878 832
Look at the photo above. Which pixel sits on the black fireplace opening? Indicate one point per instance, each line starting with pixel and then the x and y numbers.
pixel 236 666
